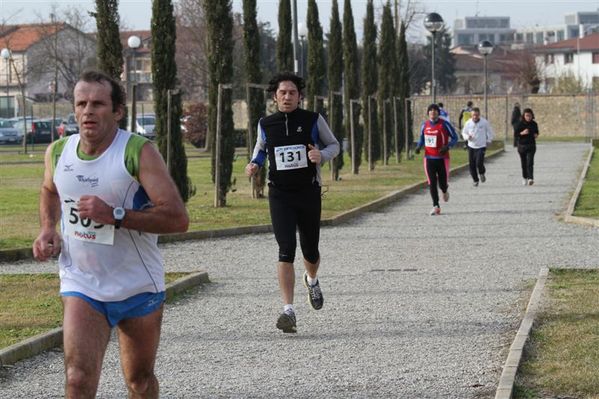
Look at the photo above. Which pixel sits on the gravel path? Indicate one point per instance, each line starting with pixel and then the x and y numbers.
pixel 415 306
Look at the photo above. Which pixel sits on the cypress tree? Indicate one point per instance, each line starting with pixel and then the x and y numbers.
pixel 404 90
pixel 251 40
pixel 109 49
pixel 316 63
pixel 351 76
pixel 444 60
pixel 370 83
pixel 164 73
pixel 335 75
pixel 284 47
pixel 387 77
pixel 220 70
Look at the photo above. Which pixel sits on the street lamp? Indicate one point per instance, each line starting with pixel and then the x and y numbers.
pixel 433 23
pixel 302 31
pixel 5 53
pixel 485 48
pixel 133 42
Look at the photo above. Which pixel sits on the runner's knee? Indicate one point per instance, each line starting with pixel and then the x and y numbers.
pixel 311 255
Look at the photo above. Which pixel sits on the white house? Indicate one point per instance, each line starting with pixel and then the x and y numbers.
pixel 576 59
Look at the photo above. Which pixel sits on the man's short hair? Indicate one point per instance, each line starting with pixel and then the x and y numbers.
pixel 469 103
pixel 476 109
pixel 117 93
pixel 440 105
pixel 431 107
pixel 273 85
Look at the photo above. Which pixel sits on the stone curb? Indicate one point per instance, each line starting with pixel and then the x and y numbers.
pixel 510 368
pixel 569 218
pixel 53 338
pixel 13 255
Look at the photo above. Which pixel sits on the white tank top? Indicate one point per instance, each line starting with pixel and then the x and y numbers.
pixel 99 261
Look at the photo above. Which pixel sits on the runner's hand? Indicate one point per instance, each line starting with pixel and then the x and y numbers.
pixel 314 154
pixel 251 169
pixel 417 150
pixel 444 149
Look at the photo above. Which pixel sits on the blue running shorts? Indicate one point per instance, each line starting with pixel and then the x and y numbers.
pixel 136 306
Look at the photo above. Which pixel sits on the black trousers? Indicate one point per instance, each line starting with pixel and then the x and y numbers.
pixel 476 161
pixel 436 173
pixel 296 209
pixel 527 159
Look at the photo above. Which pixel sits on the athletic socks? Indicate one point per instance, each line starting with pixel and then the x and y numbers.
pixel 312 281
pixel 288 309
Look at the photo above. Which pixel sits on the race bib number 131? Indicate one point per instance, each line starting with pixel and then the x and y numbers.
pixel 291 157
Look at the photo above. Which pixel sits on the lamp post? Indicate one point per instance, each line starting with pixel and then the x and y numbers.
pixel 485 48
pixel 302 31
pixel 5 53
pixel 433 23
pixel 133 42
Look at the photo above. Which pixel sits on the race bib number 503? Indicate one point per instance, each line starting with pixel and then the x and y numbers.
pixel 84 229
pixel 291 157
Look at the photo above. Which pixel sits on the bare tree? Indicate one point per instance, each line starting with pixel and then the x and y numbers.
pixel 528 73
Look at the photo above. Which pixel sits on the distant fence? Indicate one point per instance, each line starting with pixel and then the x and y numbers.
pixel 557 115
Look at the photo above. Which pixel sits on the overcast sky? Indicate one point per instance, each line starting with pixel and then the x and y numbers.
pixel 137 13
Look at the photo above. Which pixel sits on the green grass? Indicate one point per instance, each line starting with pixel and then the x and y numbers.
pixel 587 205
pixel 562 355
pixel 20 185
pixel 30 304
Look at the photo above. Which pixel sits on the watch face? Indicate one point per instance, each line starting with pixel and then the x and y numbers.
pixel 118 213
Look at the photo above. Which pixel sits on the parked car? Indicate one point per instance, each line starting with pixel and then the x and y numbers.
pixel 8 133
pixel 68 126
pixel 145 125
pixel 38 130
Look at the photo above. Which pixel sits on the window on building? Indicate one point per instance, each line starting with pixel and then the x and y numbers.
pixel 568 58
pixel 560 35
pixel 549 59
pixel 539 38
pixel 529 37
pixel 506 37
pixel 465 39
pixel 519 37
pixel 595 58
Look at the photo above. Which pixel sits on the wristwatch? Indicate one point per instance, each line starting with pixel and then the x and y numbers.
pixel 119 214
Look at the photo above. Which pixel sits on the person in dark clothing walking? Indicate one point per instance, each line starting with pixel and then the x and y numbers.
pixel 295 142
pixel 516 117
pixel 526 134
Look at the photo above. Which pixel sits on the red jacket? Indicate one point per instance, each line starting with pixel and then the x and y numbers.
pixel 434 135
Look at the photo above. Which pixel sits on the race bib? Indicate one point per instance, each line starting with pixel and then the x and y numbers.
pixel 85 229
pixel 291 157
pixel 430 140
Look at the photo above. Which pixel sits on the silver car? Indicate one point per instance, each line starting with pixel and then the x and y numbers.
pixel 145 125
pixel 8 133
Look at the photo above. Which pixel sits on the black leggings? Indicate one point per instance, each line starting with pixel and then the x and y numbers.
pixel 527 159
pixel 436 173
pixel 291 209
pixel 476 162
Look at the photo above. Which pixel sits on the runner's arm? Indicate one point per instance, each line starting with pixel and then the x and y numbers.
pixel 327 138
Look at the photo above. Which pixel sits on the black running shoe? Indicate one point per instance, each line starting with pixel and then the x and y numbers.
pixel 314 293
pixel 286 322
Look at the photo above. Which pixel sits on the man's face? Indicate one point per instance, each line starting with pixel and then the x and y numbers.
pixel 287 96
pixel 433 114
pixel 93 110
pixel 475 116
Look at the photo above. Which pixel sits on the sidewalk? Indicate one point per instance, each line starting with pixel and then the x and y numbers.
pixel 415 306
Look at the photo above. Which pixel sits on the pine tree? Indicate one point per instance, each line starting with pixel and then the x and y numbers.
pixel 316 63
pixel 387 77
pixel 404 90
pixel 370 83
pixel 335 75
pixel 164 73
pixel 220 69
pixel 284 47
pixel 351 76
pixel 251 40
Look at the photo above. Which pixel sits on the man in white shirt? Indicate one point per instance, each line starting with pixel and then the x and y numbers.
pixel 477 131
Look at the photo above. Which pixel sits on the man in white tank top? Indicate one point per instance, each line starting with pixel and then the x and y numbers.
pixel 111 213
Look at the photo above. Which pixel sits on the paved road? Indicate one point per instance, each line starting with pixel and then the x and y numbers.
pixel 415 306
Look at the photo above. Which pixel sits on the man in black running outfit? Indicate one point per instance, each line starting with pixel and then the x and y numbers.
pixel 295 142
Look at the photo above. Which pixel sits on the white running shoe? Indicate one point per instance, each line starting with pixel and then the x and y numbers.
pixel 483 178
pixel 524 182
pixel 435 211
pixel 531 182
pixel 446 196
